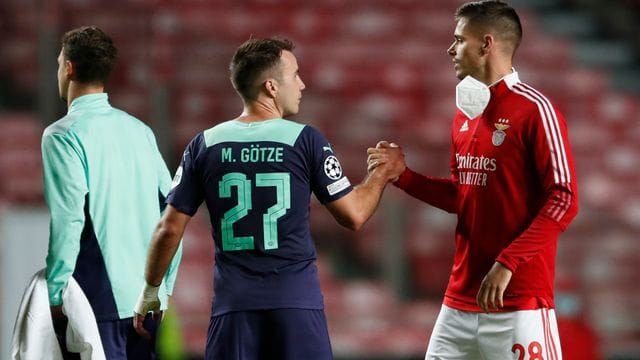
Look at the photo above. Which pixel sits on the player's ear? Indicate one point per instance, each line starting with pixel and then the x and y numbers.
pixel 488 42
pixel 69 68
pixel 271 87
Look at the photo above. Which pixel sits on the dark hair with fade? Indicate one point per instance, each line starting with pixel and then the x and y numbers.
pixel 92 53
pixel 253 59
pixel 495 15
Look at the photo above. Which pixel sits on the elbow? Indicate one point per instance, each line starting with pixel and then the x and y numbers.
pixel 354 226
pixel 168 234
pixel 353 223
pixel 573 209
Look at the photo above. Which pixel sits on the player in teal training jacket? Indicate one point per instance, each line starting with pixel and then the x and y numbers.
pixel 105 184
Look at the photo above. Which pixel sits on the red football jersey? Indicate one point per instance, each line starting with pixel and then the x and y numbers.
pixel 513 187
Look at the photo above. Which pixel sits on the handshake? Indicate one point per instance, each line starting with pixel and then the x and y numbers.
pixel 387 160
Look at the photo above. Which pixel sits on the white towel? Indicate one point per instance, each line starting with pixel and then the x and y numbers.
pixel 33 334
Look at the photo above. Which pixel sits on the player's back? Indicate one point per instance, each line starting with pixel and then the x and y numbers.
pixel 257 179
pixel 123 174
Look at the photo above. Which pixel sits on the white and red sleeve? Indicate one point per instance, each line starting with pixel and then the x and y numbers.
pixel 555 170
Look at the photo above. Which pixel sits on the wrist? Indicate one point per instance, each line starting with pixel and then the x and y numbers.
pixel 148 299
pixel 150 291
pixel 397 180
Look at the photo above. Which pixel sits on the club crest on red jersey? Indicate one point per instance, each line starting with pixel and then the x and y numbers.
pixel 498 136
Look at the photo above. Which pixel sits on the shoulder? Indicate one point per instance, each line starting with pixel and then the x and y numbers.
pixel 531 98
pixel 60 127
pixel 196 146
pixel 275 130
pixel 311 132
pixel 131 120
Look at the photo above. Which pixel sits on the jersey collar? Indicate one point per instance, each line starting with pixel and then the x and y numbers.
pixel 506 83
pixel 89 101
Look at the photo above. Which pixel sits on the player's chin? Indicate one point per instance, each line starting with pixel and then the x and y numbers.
pixel 293 111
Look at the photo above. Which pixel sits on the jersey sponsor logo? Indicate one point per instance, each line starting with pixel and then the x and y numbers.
pixel 332 168
pixel 476 162
pixel 499 135
pixel 465 126
pixel 472 178
pixel 483 166
pixel 177 178
pixel 338 186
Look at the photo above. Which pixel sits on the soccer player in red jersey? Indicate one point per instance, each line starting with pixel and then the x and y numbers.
pixel 513 188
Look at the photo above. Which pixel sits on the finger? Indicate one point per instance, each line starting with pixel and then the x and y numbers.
pixel 136 320
pixel 382 144
pixel 481 298
pixel 371 166
pixel 376 162
pixel 491 304
pixel 376 158
pixel 394 145
pixel 499 295
pixel 138 325
pixel 375 151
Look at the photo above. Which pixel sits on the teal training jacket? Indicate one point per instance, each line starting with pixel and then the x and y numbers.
pixel 105 184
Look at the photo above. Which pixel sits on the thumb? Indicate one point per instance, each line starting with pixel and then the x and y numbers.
pixel 382 144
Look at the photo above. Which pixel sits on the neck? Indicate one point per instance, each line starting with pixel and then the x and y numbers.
pixel 496 70
pixel 260 110
pixel 77 89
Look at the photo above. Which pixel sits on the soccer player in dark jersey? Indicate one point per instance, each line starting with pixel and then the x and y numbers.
pixel 256 174
pixel 513 188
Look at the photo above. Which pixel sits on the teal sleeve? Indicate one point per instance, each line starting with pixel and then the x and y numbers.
pixel 164 182
pixel 65 188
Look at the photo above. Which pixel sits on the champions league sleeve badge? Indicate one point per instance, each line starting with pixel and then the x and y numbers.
pixel 498 136
pixel 332 168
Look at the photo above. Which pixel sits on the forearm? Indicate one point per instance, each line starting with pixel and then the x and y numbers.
pixel 172 272
pixel 65 192
pixel 355 208
pixel 441 193
pixel 368 194
pixel 164 245
pixel 557 212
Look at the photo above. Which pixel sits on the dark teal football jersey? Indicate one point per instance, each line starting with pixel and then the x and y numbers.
pixel 256 180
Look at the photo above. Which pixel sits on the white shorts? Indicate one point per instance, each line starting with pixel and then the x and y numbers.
pixel 518 335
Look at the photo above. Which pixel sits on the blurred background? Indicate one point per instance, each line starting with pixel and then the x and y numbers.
pixel 374 69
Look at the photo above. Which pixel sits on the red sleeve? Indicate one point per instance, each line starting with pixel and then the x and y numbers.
pixel 554 167
pixel 441 193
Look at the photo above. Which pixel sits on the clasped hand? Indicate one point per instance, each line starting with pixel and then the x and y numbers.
pixel 388 158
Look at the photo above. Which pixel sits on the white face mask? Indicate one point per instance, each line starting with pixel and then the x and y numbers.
pixel 472 96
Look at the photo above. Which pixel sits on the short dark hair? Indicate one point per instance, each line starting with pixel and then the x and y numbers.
pixel 494 15
pixel 253 59
pixel 92 53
